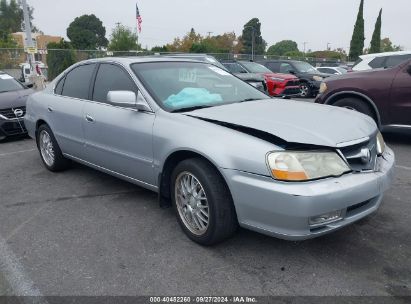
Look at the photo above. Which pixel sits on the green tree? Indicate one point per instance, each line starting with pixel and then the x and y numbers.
pixel 358 36
pixel 387 46
pixel 282 48
pixel 160 49
pixel 12 19
pixel 87 33
pixel 60 57
pixel 260 45
pixel 376 36
pixel 7 42
pixel 123 39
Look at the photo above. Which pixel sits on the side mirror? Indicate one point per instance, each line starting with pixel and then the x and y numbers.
pixel 30 85
pixel 291 72
pixel 122 98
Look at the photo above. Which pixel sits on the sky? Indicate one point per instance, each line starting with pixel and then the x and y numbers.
pixel 316 22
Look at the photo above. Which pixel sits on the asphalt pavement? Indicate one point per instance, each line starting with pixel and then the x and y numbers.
pixel 82 232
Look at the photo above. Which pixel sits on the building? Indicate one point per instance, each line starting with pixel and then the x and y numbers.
pixel 40 42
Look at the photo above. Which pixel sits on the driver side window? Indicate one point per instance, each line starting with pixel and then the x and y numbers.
pixel 286 68
pixel 111 77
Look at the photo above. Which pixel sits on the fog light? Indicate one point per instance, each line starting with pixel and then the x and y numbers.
pixel 326 218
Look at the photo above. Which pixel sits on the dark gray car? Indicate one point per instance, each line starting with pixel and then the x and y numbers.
pixel 13 97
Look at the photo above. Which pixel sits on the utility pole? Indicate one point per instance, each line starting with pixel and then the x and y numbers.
pixel 305 43
pixel 27 28
pixel 328 46
pixel 209 34
pixel 252 40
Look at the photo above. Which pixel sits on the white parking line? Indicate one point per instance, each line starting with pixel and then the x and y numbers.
pixel 17 152
pixel 13 272
pixel 403 167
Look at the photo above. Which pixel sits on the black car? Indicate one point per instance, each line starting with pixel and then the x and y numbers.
pixel 310 78
pixel 13 97
pixel 255 80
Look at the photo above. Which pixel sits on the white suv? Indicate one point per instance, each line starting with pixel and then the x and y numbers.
pixel 381 60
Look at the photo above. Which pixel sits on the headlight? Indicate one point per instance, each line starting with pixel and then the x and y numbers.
pixel 323 87
pixel 277 79
pixel 304 166
pixel 318 78
pixel 380 144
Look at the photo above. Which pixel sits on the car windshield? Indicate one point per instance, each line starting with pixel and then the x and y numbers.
pixel 304 67
pixel 253 67
pixel 342 70
pixel 178 86
pixel 8 84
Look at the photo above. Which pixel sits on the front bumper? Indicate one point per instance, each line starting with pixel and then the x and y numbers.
pixel 283 210
pixel 12 127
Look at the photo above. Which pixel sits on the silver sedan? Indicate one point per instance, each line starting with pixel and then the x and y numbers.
pixel 219 151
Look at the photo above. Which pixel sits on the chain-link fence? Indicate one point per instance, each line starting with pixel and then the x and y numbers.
pixel 59 59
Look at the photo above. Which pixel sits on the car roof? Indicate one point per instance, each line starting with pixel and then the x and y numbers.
pixel 137 59
pixel 385 54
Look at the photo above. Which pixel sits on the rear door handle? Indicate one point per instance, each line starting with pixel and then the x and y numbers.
pixel 89 118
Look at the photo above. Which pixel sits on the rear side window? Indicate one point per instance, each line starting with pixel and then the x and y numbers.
pixel 111 78
pixel 286 68
pixel 396 60
pixel 378 62
pixel 77 83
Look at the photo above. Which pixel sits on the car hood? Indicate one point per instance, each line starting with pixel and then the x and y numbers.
pixel 292 122
pixel 280 75
pixel 14 98
pixel 311 75
pixel 249 76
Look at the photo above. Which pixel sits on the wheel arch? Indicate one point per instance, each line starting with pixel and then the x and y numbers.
pixel 170 164
pixel 347 94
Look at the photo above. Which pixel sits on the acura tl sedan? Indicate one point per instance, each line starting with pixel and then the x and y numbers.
pixel 214 147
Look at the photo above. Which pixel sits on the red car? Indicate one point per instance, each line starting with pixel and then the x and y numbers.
pixel 278 85
pixel 383 94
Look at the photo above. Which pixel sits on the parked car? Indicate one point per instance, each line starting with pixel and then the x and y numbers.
pixel 13 97
pixel 310 78
pixel 255 80
pixel 27 71
pixel 278 85
pixel 214 147
pixel 381 60
pixel 384 95
pixel 332 70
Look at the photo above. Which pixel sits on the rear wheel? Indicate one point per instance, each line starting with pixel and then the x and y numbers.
pixel 356 104
pixel 50 152
pixel 202 202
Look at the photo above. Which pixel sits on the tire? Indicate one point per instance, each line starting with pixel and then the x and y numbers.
pixel 356 104
pixel 306 91
pixel 50 151
pixel 222 219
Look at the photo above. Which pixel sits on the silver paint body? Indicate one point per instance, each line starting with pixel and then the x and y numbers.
pixel 134 145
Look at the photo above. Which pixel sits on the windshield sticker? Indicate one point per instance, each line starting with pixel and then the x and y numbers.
pixel 5 77
pixel 219 71
pixel 187 75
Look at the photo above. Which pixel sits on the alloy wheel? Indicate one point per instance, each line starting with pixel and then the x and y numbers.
pixel 46 148
pixel 192 203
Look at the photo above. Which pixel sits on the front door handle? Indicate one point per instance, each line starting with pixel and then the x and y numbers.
pixel 89 118
pixel 49 109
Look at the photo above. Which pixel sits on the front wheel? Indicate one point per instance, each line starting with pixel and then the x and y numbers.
pixel 50 152
pixel 306 91
pixel 356 104
pixel 202 202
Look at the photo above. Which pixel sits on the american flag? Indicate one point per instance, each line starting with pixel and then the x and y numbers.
pixel 139 19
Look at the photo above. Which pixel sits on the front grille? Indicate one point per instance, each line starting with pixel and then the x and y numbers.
pixel 293 83
pixel 14 128
pixel 362 157
pixel 10 113
pixel 292 91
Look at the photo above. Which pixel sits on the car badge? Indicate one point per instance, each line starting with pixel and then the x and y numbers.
pixel 18 112
pixel 365 155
